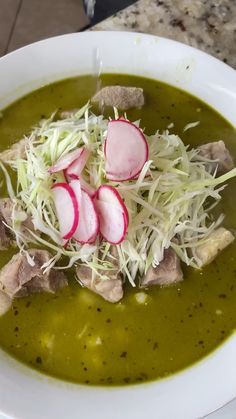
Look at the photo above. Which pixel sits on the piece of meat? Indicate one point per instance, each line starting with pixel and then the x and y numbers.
pixel 18 278
pixel 68 114
pixel 217 151
pixel 16 151
pixel 6 239
pixel 6 206
pixel 5 303
pixel 6 235
pixel 121 97
pixel 167 272
pixel 110 289
pixel 216 242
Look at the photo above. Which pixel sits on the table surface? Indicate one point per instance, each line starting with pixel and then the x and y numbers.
pixel 209 25
pixel 25 21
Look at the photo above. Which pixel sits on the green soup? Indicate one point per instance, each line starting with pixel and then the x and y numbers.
pixel 77 336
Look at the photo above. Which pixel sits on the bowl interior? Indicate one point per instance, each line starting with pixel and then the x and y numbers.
pixel 205 77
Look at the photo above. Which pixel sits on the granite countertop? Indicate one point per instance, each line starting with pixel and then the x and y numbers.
pixel 209 25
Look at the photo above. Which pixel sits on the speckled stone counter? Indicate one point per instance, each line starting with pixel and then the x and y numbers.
pixel 209 25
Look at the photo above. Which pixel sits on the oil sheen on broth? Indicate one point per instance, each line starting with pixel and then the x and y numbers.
pixel 77 336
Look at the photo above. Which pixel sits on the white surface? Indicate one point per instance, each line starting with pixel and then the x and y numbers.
pixel 193 393
pixel 226 412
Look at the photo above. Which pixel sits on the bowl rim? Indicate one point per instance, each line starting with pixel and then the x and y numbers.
pixel 218 81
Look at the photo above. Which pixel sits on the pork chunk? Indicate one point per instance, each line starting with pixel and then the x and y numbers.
pixel 216 242
pixel 121 97
pixel 6 236
pixel 110 289
pixel 167 272
pixel 5 303
pixel 217 151
pixel 18 278
pixel 6 239
pixel 68 114
pixel 16 151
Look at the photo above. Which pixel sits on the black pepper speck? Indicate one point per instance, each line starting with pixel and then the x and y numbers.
pixel 155 346
pixel 123 354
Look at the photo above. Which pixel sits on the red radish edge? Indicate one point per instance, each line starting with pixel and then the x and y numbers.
pixel 85 186
pixel 116 193
pixel 123 210
pixel 72 170
pixel 124 224
pixel 112 176
pixel 65 161
pixel 94 236
pixel 113 179
pixel 94 214
pixel 75 207
pixel 70 177
pixel 135 177
pixel 135 126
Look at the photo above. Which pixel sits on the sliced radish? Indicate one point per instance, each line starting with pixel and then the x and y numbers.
pixel 126 150
pixel 70 178
pixel 67 209
pixel 148 174
pixel 110 195
pixel 66 160
pixel 84 185
pixel 87 187
pixel 112 222
pixel 113 214
pixel 76 168
pixel 76 187
pixel 88 227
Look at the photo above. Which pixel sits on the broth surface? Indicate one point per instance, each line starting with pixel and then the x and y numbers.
pixel 76 335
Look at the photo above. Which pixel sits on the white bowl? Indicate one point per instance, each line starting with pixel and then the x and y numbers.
pixel 211 382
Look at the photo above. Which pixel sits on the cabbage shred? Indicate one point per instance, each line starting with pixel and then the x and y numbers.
pixel 170 203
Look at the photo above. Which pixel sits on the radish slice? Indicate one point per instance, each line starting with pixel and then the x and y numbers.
pixel 66 160
pixel 110 195
pixel 88 227
pixel 84 185
pixel 87 188
pixel 76 168
pixel 126 150
pixel 112 222
pixel 67 209
pixel 70 178
pixel 76 187
pixel 113 214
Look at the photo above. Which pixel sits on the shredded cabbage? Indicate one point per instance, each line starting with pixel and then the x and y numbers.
pixel 172 198
pixel 191 125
